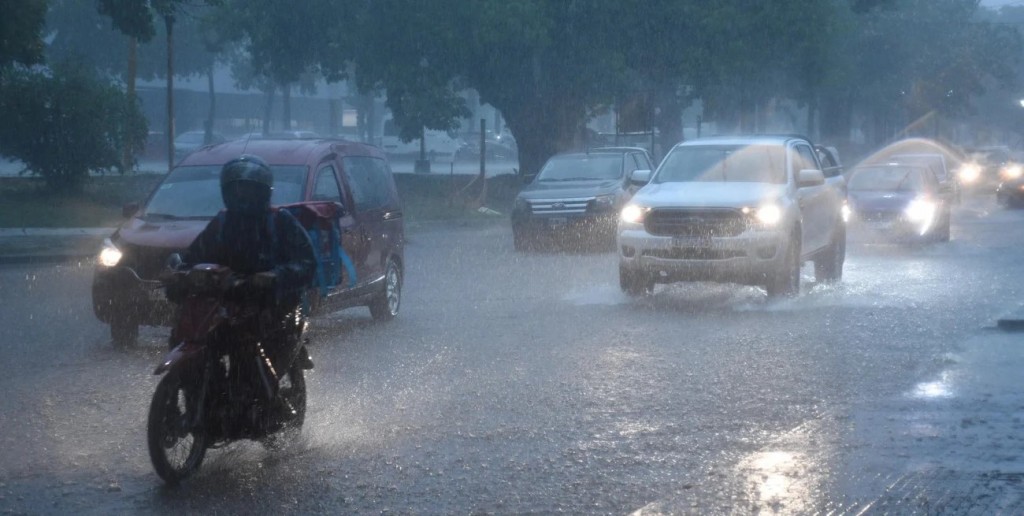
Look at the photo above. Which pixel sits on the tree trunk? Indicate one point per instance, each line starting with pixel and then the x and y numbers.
pixel 286 106
pixel 128 152
pixel 669 122
pixel 542 128
pixel 208 137
pixel 268 109
pixel 169 23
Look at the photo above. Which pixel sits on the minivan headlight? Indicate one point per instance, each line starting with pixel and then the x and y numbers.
pixel 110 255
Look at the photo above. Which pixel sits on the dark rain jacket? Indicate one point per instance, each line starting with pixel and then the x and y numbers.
pixel 247 246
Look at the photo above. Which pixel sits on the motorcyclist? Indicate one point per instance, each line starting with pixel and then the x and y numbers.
pixel 268 246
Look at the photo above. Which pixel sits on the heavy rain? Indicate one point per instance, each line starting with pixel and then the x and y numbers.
pixel 636 257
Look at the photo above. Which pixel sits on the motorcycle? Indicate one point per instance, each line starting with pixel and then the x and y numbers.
pixel 219 384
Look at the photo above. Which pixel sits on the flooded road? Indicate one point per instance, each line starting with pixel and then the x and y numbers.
pixel 526 382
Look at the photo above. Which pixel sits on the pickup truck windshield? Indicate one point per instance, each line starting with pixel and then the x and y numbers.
pixel 724 163
pixel 194 192
pixel 582 167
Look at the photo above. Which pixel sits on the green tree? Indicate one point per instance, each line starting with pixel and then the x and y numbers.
pixel 67 123
pixel 20 32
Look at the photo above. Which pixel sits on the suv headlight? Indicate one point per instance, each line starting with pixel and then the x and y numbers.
pixel 921 212
pixel 969 173
pixel 110 255
pixel 1012 171
pixel 634 214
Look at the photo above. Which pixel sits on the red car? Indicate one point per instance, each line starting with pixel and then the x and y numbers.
pixel 126 292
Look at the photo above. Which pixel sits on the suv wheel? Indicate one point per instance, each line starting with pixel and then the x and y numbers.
pixel 635 283
pixel 828 265
pixel 385 305
pixel 123 333
pixel 786 280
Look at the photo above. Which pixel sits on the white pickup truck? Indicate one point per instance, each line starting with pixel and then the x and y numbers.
pixel 741 209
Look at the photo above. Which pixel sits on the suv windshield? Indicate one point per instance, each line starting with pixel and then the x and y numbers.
pixel 887 179
pixel 582 167
pixel 724 163
pixel 194 192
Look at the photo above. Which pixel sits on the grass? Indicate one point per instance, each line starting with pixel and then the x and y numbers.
pixel 25 201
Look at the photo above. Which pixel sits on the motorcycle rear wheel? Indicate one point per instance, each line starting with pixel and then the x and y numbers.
pixel 176 450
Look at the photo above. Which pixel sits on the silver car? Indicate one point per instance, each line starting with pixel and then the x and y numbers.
pixel 747 210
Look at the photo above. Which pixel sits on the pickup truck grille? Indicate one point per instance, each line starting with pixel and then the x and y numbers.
pixel 692 222
pixel 559 206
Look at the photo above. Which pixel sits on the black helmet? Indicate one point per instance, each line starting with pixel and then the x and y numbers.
pixel 245 184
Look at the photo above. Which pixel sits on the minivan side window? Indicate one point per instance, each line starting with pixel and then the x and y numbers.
pixel 369 181
pixel 326 186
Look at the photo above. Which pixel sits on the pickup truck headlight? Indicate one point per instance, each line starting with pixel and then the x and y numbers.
pixel 769 214
pixel 110 255
pixel 604 202
pixel 634 214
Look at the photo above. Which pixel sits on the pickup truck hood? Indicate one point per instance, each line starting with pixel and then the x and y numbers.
pixel 707 195
pixel 172 234
pixel 569 189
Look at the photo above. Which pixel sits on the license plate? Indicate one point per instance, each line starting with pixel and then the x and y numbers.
pixel 557 221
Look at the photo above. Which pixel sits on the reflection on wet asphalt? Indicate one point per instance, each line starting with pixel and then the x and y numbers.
pixel 527 382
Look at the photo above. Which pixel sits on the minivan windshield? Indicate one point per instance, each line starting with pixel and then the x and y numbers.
pixel 193 192
pixel 582 167
pixel 724 163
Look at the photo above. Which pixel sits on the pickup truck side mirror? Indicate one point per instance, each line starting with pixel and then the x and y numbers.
pixel 130 209
pixel 640 177
pixel 810 177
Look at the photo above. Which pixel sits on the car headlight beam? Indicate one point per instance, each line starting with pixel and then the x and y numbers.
pixel 769 214
pixel 969 173
pixel 110 255
pixel 921 212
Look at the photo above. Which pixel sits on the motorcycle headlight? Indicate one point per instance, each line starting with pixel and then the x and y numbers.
pixel 110 255
pixel 634 214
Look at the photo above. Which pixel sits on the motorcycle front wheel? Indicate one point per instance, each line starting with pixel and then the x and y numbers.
pixel 175 449
pixel 293 391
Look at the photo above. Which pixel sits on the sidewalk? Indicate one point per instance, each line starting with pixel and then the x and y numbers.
pixel 50 245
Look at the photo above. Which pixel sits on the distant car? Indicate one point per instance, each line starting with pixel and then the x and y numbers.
pixel 741 209
pixel 899 201
pixel 188 142
pixel 125 289
pixel 1010 192
pixel 578 195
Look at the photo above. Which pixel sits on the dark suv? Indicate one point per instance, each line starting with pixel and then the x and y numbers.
pixel 126 292
pixel 578 194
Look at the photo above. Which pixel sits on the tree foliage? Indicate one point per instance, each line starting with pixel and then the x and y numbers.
pixel 20 32
pixel 67 123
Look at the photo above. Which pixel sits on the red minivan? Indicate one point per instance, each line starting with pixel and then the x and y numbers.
pixel 126 292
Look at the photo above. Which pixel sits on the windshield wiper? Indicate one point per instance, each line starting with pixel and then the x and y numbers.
pixel 164 216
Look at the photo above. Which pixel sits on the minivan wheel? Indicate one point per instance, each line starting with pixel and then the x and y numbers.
pixel 828 265
pixel 124 333
pixel 635 283
pixel 385 305
pixel 786 281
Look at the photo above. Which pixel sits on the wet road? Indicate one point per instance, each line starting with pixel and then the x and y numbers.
pixel 515 383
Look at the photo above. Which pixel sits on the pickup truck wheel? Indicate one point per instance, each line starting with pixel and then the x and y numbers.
pixel 385 305
pixel 828 265
pixel 124 333
pixel 786 281
pixel 635 283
